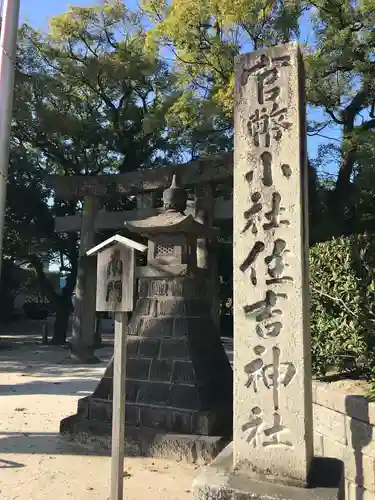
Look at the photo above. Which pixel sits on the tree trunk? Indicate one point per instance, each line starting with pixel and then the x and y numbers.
pixel 62 302
pixel 340 198
pixel 98 336
pixel 60 328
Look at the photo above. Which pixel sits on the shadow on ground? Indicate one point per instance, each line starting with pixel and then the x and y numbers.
pixel 67 387
pixel 9 464
pixel 40 443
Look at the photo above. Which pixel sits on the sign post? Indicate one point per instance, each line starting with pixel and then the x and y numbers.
pixel 115 293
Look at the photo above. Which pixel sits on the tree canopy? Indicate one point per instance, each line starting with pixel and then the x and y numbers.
pixel 109 89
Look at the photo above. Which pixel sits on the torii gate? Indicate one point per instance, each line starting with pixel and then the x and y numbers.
pixel 200 174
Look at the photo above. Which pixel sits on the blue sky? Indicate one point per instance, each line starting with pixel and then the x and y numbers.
pixel 37 12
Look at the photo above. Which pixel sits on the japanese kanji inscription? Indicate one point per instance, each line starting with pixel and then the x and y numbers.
pixel 273 403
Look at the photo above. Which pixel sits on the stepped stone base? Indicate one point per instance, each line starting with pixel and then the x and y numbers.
pixel 178 376
pixel 143 441
pixel 219 482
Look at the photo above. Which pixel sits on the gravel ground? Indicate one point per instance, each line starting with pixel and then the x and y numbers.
pixel 37 391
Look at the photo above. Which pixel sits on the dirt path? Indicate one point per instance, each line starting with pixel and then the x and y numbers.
pixel 36 391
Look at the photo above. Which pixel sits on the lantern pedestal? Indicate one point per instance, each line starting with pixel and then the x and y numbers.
pixel 178 377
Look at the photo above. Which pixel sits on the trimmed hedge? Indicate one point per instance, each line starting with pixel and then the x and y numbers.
pixel 342 286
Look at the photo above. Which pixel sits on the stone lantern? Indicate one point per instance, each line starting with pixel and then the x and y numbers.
pixel 178 377
pixel 172 237
pixel 186 378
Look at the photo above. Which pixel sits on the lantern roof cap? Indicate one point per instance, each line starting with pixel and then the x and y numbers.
pixel 170 222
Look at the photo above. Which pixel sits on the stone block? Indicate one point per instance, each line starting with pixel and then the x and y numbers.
pixel 359 468
pixel 138 369
pixel 132 346
pixel 185 396
pixel 330 423
pixel 161 370
pixel 132 388
pixel 183 372
pixel 135 325
pixel 355 492
pixel 171 306
pixel 355 405
pixel 156 327
pixel 154 393
pixel 143 307
pixel 132 414
pixel 149 348
pixel 218 482
pixel 189 288
pixel 183 421
pixel 143 441
pixel 143 288
pixel 158 287
pixel 361 436
pixel 157 418
pixel 167 419
pixel 103 389
pixel 204 423
pixel 174 349
pixel 83 407
pixel 101 410
pixel 209 446
pixel 180 327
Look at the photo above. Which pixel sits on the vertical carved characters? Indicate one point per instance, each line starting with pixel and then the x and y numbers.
pixel 114 275
pixel 265 125
pixel 267 263
pixel 261 434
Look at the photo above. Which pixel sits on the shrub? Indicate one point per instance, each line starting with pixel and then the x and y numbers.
pixel 342 286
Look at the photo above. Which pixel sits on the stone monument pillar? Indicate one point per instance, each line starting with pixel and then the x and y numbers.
pixel 272 450
pixel 273 391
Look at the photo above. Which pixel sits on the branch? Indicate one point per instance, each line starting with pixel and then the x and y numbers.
pixel 337 300
pixel 333 116
pixel 369 125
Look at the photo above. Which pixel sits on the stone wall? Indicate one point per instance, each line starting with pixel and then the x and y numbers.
pixel 344 428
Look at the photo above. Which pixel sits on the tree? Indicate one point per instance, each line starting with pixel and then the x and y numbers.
pixel 204 38
pixel 29 230
pixel 90 101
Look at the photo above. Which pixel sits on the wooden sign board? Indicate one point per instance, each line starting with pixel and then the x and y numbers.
pixel 114 292
pixel 115 279
pixel 115 273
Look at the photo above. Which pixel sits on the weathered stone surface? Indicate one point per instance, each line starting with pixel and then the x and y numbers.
pixel 330 423
pixel 132 347
pixel 183 371
pixel 157 327
pixel 178 376
pixel 361 436
pixel 171 307
pixel 161 370
pixel 144 441
pixel 273 399
pixel 358 467
pixel 149 347
pixel 214 168
pixel 355 492
pixel 154 393
pixel 174 349
pixel 218 482
pixel 138 369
